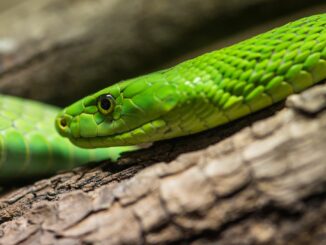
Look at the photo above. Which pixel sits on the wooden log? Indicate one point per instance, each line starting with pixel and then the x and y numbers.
pixel 264 184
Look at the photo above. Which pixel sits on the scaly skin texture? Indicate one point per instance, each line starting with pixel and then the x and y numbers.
pixel 30 146
pixel 204 92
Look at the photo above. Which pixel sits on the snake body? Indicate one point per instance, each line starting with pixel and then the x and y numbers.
pixel 30 145
pixel 204 92
pixel 198 94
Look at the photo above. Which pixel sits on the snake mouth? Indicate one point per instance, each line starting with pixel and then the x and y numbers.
pixel 148 132
pixel 69 126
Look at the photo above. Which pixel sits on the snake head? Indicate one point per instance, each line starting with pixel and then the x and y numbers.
pixel 126 113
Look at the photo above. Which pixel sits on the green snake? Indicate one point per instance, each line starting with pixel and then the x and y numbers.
pixel 198 94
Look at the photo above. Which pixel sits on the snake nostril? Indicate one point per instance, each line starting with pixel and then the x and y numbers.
pixel 63 122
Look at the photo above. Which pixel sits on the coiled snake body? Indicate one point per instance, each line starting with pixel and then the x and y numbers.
pixel 198 94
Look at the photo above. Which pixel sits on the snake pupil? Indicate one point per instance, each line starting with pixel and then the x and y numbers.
pixel 105 104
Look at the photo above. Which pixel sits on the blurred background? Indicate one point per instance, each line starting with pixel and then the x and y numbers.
pixel 60 50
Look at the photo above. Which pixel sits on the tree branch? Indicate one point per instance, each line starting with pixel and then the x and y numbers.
pixel 263 184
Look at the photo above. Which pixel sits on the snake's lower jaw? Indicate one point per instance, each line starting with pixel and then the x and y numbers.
pixel 147 133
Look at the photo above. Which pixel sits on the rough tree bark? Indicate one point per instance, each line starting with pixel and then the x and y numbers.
pixel 264 184
pixel 259 180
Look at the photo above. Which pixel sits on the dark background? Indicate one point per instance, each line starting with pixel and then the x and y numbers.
pixel 60 50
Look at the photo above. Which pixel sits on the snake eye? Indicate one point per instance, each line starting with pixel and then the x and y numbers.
pixel 105 103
